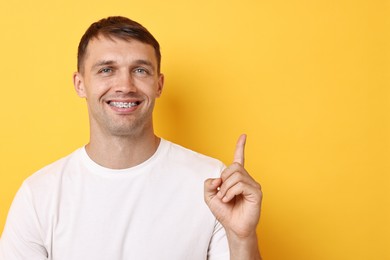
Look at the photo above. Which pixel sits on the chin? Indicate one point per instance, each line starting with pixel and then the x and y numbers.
pixel 127 130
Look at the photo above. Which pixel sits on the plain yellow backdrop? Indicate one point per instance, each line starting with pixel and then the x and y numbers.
pixel 308 81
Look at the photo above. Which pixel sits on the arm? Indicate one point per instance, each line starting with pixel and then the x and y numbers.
pixel 235 200
pixel 21 236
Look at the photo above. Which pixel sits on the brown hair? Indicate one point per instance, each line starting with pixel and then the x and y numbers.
pixel 117 27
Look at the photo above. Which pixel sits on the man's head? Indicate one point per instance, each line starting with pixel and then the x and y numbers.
pixel 119 77
pixel 116 27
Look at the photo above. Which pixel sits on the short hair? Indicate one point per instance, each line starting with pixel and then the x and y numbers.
pixel 117 27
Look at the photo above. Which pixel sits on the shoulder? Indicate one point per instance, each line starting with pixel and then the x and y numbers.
pixel 52 172
pixel 183 157
pixel 180 153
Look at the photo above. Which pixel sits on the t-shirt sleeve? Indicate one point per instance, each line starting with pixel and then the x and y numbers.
pixel 22 238
pixel 219 248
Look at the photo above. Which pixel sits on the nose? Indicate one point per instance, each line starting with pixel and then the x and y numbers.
pixel 126 83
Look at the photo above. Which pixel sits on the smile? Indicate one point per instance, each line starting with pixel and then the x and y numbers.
pixel 124 104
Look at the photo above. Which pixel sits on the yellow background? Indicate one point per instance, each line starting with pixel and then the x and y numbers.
pixel 307 80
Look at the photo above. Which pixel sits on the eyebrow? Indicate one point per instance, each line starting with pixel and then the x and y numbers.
pixel 103 63
pixel 144 62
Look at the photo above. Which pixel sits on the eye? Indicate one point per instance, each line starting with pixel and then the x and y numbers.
pixel 141 71
pixel 105 70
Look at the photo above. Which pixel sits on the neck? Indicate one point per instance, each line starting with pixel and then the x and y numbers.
pixel 120 152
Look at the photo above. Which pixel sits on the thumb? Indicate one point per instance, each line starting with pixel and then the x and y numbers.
pixel 211 188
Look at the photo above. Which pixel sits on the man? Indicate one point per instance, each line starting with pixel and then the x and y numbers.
pixel 129 194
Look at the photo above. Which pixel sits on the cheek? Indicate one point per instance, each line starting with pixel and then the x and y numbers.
pixel 149 87
pixel 97 89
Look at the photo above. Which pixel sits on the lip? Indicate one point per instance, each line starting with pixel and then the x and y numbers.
pixel 125 109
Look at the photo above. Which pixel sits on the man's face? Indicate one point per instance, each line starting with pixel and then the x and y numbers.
pixel 120 83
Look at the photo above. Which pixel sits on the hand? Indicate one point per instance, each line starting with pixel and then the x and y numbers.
pixel 235 197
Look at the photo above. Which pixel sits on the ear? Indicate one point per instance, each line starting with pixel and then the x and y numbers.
pixel 78 83
pixel 160 84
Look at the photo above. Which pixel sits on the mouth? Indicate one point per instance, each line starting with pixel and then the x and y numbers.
pixel 121 104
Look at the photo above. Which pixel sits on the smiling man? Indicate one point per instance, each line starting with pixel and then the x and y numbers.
pixel 129 194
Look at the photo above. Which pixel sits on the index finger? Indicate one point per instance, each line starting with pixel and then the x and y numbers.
pixel 239 152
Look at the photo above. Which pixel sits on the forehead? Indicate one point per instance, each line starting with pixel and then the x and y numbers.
pixel 118 50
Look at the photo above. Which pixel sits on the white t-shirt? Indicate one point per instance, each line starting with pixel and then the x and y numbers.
pixel 75 209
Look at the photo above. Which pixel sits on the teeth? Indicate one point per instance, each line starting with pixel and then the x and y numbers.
pixel 123 104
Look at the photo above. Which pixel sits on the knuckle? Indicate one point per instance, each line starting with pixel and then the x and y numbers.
pixel 239 174
pixel 236 165
pixel 240 186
